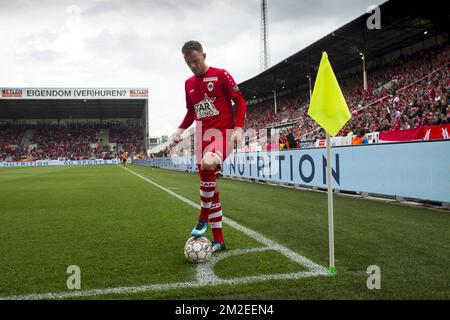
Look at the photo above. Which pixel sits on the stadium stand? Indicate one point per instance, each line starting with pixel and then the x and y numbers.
pixel 70 141
pixel 410 92
pixel 72 123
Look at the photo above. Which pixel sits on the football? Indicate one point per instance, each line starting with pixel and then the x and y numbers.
pixel 197 250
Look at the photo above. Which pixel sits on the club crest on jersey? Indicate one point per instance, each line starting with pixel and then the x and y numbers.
pixel 210 86
pixel 206 108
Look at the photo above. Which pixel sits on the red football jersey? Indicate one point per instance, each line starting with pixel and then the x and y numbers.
pixel 208 99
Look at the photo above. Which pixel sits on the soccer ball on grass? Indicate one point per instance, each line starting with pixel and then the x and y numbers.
pixel 197 250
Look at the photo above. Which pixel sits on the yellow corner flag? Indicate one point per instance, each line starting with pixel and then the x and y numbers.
pixel 328 107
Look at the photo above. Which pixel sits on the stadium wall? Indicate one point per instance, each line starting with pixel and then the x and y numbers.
pixel 410 170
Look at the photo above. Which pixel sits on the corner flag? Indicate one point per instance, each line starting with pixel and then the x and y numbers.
pixel 329 109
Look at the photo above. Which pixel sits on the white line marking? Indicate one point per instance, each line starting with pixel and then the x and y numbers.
pixel 205 272
pixel 204 277
pixel 162 287
pixel 252 234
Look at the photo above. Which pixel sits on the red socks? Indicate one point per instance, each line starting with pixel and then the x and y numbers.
pixel 207 187
pixel 211 210
pixel 215 218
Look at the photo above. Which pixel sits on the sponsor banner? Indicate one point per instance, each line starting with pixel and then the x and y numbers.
pixel 436 132
pixel 320 143
pixel 401 135
pixel 73 93
pixel 373 137
pixel 306 144
pixel 416 170
pixel 45 163
pixel 340 141
pixel 186 164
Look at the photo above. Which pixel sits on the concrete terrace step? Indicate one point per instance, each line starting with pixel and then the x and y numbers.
pixel 29 133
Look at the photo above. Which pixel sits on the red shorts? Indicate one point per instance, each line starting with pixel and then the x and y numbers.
pixel 218 142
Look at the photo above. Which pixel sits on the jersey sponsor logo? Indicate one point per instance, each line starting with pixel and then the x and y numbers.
pixel 210 86
pixel 210 79
pixel 206 108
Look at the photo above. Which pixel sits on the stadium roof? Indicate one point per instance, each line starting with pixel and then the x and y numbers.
pixel 402 25
pixel 71 109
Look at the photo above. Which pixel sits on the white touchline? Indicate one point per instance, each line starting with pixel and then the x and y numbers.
pixel 161 287
pixel 252 234
pixel 205 274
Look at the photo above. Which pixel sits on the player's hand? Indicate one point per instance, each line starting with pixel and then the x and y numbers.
pixel 236 137
pixel 176 136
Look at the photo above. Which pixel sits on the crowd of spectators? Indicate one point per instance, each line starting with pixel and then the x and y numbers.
pixel 407 93
pixel 10 139
pixel 129 137
pixel 70 141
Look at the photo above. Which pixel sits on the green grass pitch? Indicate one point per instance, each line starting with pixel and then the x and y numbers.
pixel 124 232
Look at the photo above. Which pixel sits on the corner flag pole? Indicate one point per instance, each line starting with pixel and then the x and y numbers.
pixel 332 268
pixel 329 109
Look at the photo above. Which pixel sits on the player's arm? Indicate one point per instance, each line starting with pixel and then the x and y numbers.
pixel 233 92
pixel 241 108
pixel 187 121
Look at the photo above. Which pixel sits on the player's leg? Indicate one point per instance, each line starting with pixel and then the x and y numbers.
pixel 215 220
pixel 207 188
pixel 215 217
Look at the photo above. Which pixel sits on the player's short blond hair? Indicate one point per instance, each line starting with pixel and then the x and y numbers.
pixel 190 46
